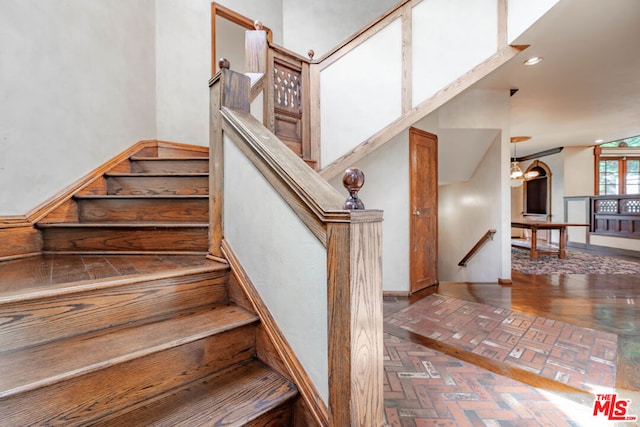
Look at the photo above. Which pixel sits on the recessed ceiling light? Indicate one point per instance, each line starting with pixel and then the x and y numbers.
pixel 533 61
pixel 598 141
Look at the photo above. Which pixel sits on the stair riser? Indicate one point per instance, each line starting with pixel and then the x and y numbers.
pixel 165 186
pixel 185 210
pixel 44 320
pixel 131 240
pixel 80 400
pixel 279 417
pixel 170 166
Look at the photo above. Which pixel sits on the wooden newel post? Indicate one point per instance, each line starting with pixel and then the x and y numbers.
pixel 353 180
pixel 231 90
pixel 255 47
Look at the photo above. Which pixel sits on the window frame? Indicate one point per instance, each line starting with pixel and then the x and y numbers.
pixel 622 159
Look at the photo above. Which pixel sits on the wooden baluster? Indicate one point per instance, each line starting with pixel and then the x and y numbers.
pixel 353 180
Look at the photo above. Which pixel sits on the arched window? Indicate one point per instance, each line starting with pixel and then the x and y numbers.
pixel 537 191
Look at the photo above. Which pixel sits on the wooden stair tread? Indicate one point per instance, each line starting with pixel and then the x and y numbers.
pixel 155 174
pixel 121 224
pixel 139 196
pixel 175 159
pixel 49 290
pixel 236 397
pixel 23 369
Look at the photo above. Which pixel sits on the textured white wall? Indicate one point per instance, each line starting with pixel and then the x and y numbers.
pixel 323 25
pixel 77 86
pixel 284 260
pixel 361 93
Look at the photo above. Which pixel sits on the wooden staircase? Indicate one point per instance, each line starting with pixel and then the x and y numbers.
pixel 156 346
pixel 154 201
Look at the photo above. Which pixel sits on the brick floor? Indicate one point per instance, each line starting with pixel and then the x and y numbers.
pixel 578 357
pixel 423 387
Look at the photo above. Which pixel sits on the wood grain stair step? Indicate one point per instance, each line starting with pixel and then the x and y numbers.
pixel 113 372
pixel 157 184
pixel 168 164
pixel 64 310
pixel 99 208
pixel 122 237
pixel 247 395
pixel 22 370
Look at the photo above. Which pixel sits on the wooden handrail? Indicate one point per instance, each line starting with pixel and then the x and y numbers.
pixel 488 235
pixel 353 242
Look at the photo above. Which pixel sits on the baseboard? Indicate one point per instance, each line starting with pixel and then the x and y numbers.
pixel 502 281
pixel 604 250
pixel 395 294
pixel 314 406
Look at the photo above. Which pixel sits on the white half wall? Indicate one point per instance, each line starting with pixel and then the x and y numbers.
pixel 77 84
pixel 285 261
pixel 523 13
pixel 361 93
pixel 443 52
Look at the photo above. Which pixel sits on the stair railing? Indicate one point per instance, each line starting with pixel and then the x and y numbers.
pixel 479 244
pixel 316 265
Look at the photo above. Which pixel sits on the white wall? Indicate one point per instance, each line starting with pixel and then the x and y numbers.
pixel 580 175
pixel 387 187
pixel 77 86
pixel 284 260
pixel 361 88
pixel 466 211
pixel 439 36
pixel 471 208
pixel 323 25
pixel 523 13
pixel 183 63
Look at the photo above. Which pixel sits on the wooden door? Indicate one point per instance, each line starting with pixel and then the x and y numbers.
pixel 423 184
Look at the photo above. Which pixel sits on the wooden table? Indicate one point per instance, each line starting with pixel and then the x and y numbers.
pixel 534 226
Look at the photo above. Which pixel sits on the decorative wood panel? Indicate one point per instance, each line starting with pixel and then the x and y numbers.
pixel 287 94
pixel 616 216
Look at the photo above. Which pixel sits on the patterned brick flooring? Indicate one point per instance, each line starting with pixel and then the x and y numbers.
pixel 426 388
pixel 579 357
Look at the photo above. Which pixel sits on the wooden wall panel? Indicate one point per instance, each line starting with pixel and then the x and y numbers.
pixel 19 241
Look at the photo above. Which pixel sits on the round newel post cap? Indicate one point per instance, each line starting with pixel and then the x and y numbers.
pixel 311 53
pixel 224 63
pixel 258 25
pixel 353 180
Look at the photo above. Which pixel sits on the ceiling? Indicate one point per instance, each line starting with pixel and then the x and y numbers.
pixel 588 85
